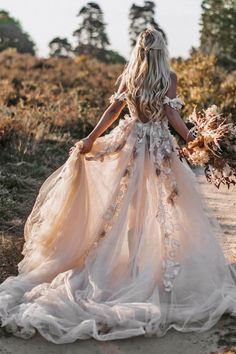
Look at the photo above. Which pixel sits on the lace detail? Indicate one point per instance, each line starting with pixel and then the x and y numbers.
pixel 175 102
pixel 168 194
pixel 112 213
pixel 160 147
pixel 159 143
pixel 170 265
pixel 113 142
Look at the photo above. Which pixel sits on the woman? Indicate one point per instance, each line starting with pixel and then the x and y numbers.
pixel 118 243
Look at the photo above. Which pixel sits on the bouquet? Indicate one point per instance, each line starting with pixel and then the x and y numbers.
pixel 214 146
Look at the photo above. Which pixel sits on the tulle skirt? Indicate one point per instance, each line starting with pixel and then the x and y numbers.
pixel 119 243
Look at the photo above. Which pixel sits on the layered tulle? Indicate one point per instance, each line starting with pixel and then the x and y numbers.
pixel 119 244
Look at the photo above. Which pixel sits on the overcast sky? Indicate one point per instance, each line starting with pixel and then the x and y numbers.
pixel 46 19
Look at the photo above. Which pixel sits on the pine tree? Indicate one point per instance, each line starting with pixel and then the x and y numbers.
pixel 218 30
pixel 60 47
pixel 13 36
pixel 140 18
pixel 92 39
pixel 92 30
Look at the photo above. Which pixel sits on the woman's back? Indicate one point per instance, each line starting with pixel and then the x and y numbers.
pixel 137 112
pixel 160 114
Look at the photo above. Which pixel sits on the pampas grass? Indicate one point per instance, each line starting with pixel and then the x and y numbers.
pixel 214 146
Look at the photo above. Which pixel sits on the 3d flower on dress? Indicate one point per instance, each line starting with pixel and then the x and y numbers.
pixel 175 102
pixel 118 96
pixel 155 134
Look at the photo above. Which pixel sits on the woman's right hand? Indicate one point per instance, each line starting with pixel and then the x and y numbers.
pixel 86 145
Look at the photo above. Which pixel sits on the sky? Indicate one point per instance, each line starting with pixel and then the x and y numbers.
pixel 46 19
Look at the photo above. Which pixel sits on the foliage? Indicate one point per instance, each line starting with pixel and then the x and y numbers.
pixel 60 47
pixel 40 95
pixel 113 57
pixel 218 28
pixel 101 54
pixel 140 18
pixel 92 38
pixel 202 83
pixel 92 28
pixel 13 36
pixel 6 19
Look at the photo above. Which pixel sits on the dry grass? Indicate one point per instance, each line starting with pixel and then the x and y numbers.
pixel 45 106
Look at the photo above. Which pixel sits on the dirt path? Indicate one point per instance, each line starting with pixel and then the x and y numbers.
pixel 223 205
pixel 220 339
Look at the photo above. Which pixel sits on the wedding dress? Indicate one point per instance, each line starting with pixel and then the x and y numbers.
pixel 119 243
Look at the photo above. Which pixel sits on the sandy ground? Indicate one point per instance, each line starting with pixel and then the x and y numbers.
pixel 220 339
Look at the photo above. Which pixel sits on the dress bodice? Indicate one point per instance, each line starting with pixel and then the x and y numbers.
pixel 175 103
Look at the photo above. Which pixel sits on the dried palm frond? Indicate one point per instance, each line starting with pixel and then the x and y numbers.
pixel 214 146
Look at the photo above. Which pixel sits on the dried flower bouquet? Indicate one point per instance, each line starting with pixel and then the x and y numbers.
pixel 214 146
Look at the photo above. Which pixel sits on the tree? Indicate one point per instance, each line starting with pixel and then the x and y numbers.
pixel 140 18
pixel 104 55
pixel 60 47
pixel 13 36
pixel 218 30
pixel 92 30
pixel 92 38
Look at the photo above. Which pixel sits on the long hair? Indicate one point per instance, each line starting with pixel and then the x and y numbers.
pixel 147 74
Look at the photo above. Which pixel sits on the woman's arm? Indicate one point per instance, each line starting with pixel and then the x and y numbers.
pixel 108 117
pixel 173 115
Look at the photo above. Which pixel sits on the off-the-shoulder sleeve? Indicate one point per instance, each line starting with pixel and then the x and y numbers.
pixel 175 102
pixel 118 96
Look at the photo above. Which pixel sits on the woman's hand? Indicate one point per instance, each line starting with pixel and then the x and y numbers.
pixel 86 145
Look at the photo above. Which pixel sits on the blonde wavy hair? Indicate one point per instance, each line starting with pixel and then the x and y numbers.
pixel 147 74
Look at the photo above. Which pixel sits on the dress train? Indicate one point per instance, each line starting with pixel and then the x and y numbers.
pixel 118 244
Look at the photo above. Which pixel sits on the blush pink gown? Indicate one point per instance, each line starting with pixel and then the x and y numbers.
pixel 119 244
